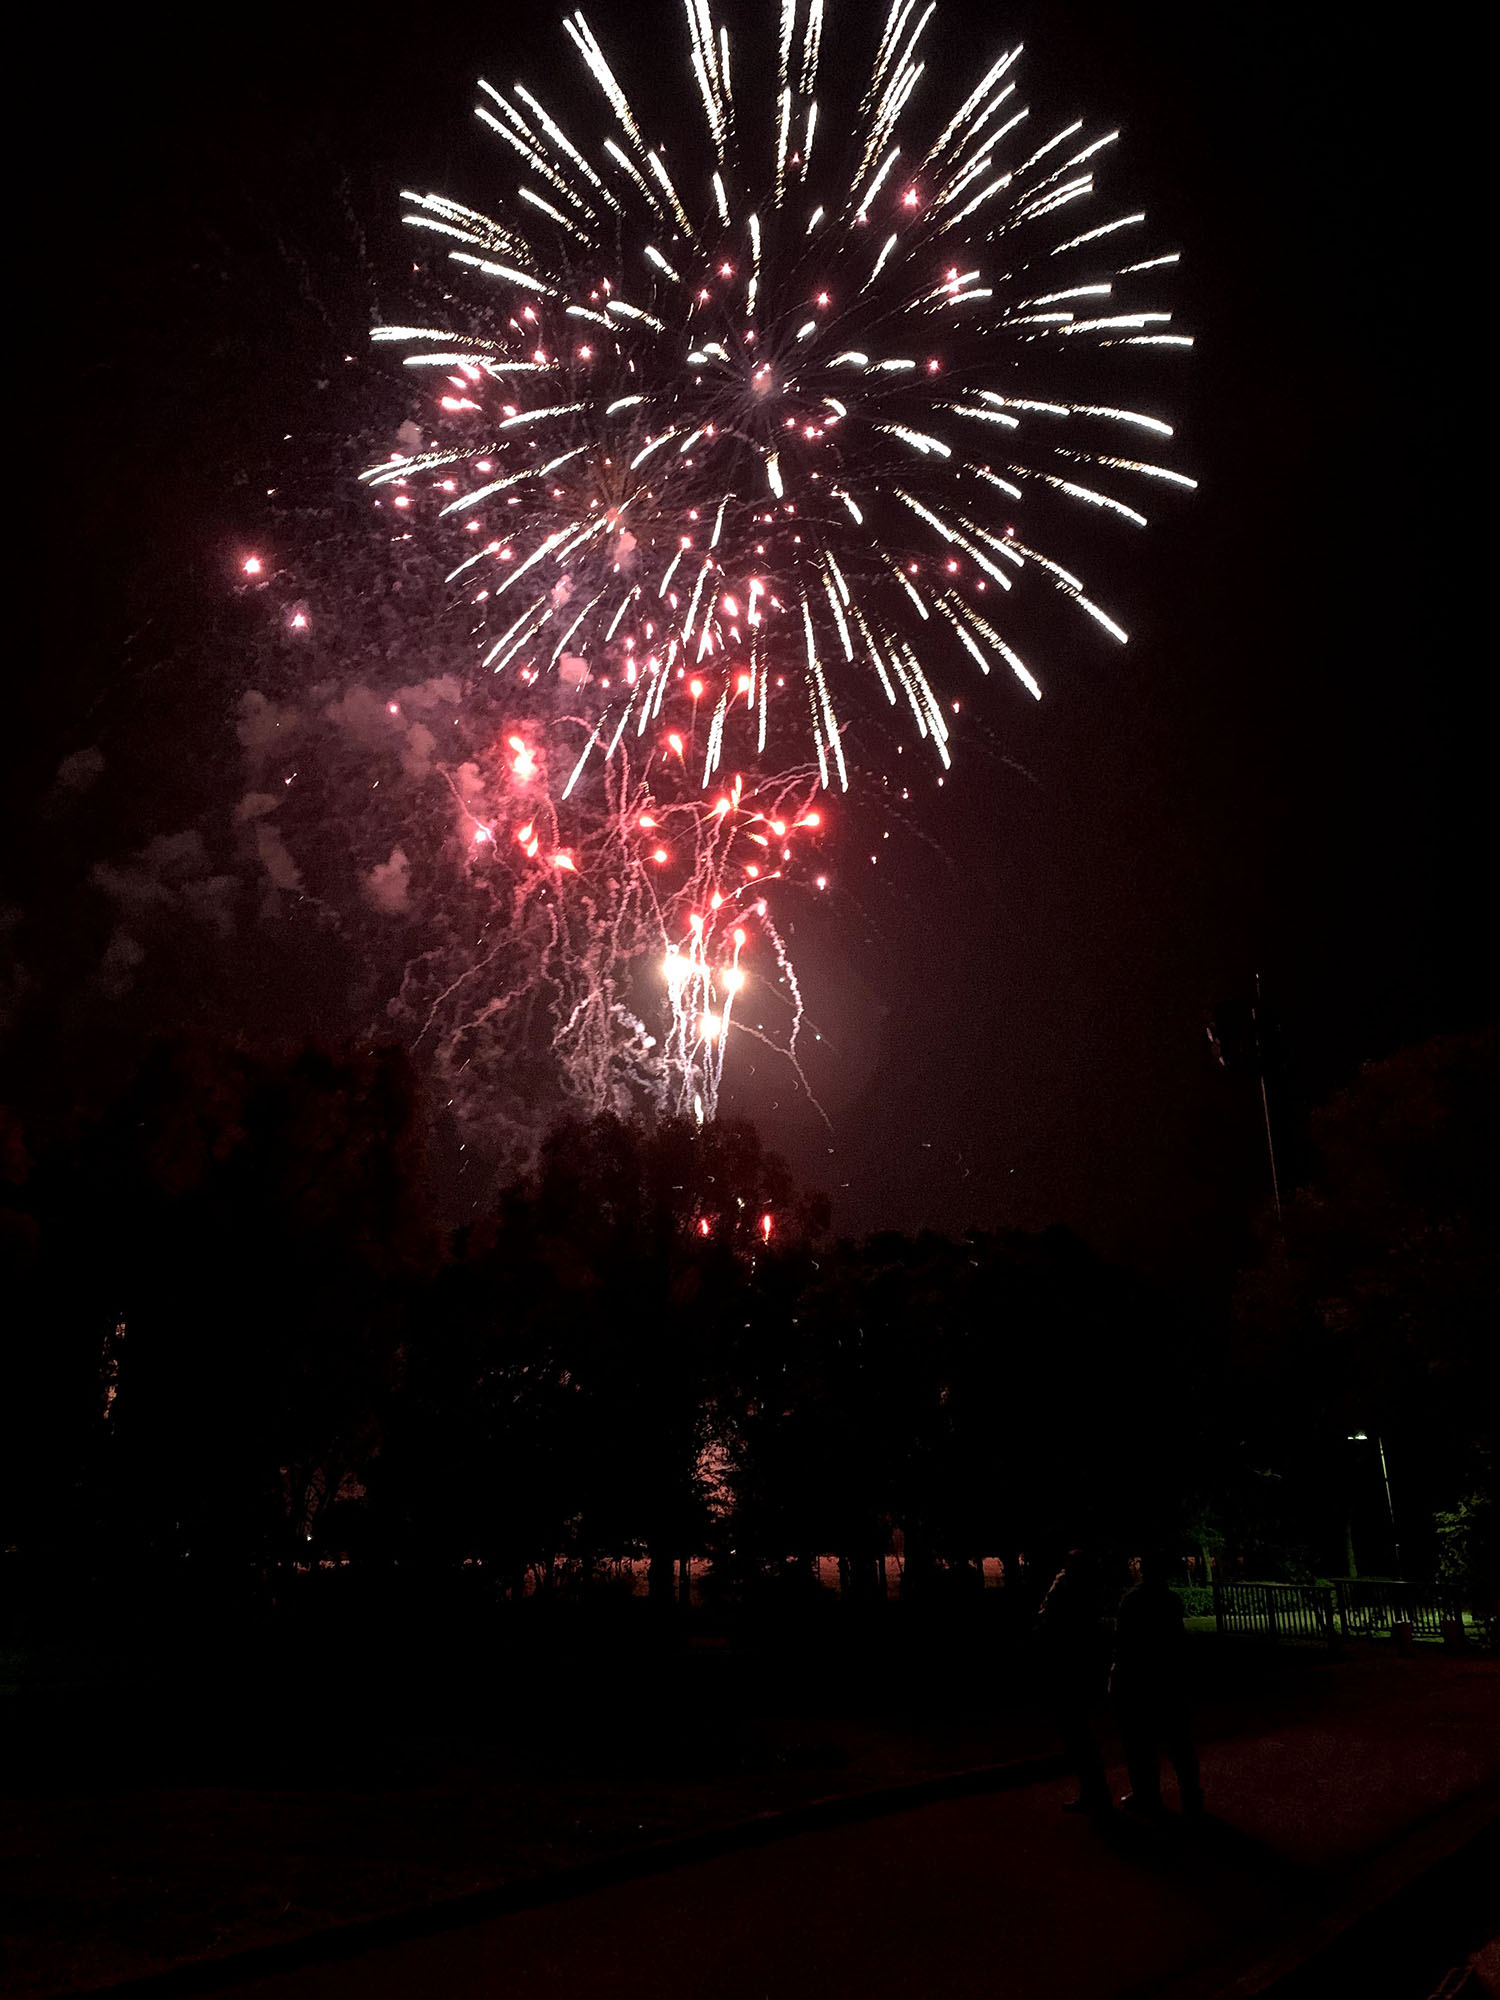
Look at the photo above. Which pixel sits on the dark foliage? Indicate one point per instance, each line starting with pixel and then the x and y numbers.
pixel 1369 1324
pixel 207 1287
pixel 237 1341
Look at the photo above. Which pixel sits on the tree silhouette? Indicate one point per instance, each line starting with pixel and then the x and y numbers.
pixel 1374 1309
pixel 219 1270
pixel 586 1336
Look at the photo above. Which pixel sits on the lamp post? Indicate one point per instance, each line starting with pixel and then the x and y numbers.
pixel 1363 1437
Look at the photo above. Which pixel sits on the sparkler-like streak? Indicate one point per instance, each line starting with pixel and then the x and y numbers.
pixel 728 441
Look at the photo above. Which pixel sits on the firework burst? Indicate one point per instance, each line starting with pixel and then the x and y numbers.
pixel 738 436
pixel 729 444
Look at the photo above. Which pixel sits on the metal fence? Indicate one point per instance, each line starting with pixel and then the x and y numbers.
pixel 1275 1610
pixel 1352 1609
pixel 1365 1608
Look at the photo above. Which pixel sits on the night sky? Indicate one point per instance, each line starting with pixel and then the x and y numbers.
pixel 1278 774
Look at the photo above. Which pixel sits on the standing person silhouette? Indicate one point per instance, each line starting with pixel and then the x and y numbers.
pixel 1074 1649
pixel 1149 1689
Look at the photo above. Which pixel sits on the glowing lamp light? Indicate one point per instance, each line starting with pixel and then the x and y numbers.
pixel 299 621
pixel 933 366
pixel 251 565
pixel 660 854
pixel 822 882
pixel 393 708
pixel 695 689
pixel 910 198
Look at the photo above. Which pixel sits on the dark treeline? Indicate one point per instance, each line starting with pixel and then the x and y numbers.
pixel 237 1340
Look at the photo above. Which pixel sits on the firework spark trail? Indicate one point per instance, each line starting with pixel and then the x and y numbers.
pixel 725 332
pixel 634 901
pixel 714 458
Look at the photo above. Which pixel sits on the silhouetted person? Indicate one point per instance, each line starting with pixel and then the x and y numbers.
pixel 1074 1652
pixel 1149 1690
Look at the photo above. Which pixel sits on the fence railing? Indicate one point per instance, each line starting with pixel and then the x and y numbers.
pixel 1275 1610
pixel 1375 1606
pixel 1344 1609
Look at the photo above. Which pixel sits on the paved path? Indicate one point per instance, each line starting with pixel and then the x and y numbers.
pixel 1002 1896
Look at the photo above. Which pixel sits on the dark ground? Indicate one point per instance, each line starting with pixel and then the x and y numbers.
pixel 176 1803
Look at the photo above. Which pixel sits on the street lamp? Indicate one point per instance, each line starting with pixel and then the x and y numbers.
pixel 1363 1437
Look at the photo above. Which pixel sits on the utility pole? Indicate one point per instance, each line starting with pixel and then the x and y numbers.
pixel 1363 1437
pixel 1265 1102
pixel 1390 1507
pixel 1238 1036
